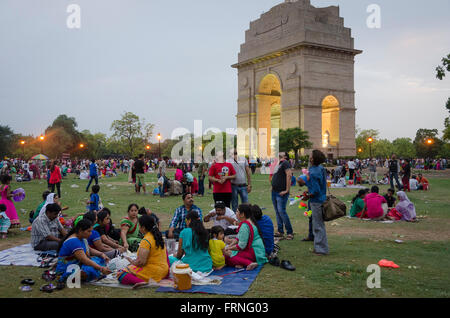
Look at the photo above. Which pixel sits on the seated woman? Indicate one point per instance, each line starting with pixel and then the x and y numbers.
pixel 106 228
pixel 151 261
pixel 95 240
pixel 358 204
pixel 144 211
pixel 248 249
pixel 374 205
pixel 75 250
pixel 265 224
pixel 129 229
pixel 193 244
pixel 404 210
pixel 423 183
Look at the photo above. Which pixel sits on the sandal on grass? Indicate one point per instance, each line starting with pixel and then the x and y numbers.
pixel 289 237
pixel 278 234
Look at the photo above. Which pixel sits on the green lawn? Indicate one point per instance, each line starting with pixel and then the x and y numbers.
pixel 354 245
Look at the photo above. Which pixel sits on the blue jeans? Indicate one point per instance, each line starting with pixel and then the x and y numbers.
pixel 201 185
pixel 279 204
pixel 90 181
pixel 392 176
pixel 235 193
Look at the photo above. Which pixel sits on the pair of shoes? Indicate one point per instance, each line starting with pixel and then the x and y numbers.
pixel 279 235
pixel 27 281
pixel 290 237
pixel 48 288
pixel 287 265
pixel 275 261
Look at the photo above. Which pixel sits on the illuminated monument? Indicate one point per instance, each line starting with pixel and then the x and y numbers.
pixel 296 69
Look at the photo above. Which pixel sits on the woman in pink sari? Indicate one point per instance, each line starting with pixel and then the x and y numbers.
pixel 7 201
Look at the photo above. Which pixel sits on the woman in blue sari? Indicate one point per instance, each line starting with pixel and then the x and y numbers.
pixel 75 250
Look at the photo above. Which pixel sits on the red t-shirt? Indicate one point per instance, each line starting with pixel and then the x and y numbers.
pixel 222 169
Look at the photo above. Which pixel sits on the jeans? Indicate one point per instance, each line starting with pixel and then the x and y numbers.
pixel 201 186
pixel 90 181
pixel 320 233
pixel 58 188
pixel 393 175
pixel 236 192
pixel 279 204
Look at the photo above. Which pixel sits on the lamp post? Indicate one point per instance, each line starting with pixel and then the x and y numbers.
pixel 429 142
pixel 148 149
pixel 370 141
pixel 41 138
pixel 22 142
pixel 159 144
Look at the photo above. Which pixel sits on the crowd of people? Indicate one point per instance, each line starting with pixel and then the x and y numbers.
pixel 240 234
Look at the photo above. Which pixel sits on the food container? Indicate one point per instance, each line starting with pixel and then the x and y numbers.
pixel 182 277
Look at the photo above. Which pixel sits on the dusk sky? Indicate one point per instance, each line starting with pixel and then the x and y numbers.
pixel 170 62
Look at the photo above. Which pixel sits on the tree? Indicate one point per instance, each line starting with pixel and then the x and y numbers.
pixel 362 143
pixel 441 69
pixel 404 148
pixel 132 132
pixel 294 139
pixel 61 137
pixel 6 141
pixel 423 149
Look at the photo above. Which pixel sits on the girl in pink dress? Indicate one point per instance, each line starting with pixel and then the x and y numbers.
pixel 7 201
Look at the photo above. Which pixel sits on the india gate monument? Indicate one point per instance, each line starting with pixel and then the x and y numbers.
pixel 296 69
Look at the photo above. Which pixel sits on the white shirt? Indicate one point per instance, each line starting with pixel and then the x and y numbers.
pixel 351 165
pixel 413 184
pixel 224 223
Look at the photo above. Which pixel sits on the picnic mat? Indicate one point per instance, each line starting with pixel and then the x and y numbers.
pixel 23 255
pixel 236 284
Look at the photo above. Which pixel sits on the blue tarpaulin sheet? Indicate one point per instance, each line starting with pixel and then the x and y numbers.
pixel 235 284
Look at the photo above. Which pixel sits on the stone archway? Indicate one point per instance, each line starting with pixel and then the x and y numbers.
pixel 268 114
pixel 330 122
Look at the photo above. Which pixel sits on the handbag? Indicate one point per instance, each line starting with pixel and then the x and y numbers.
pixel 333 208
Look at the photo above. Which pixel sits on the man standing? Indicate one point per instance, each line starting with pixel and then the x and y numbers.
pixel 351 168
pixel 162 173
pixel 373 172
pixel 394 168
pixel 139 167
pixel 281 185
pixel 178 222
pixel 221 173
pixel 242 185
pixel 202 169
pixel 93 174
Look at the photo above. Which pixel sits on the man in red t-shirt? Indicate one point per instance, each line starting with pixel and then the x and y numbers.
pixel 221 173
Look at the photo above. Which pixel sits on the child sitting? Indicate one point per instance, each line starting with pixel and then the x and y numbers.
pixel 217 247
pixel 389 196
pixel 5 223
pixel 93 203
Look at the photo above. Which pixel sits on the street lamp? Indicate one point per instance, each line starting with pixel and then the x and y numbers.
pixel 41 138
pixel 22 142
pixel 159 144
pixel 370 141
pixel 81 146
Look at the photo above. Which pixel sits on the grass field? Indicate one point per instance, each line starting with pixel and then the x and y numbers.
pixel 354 244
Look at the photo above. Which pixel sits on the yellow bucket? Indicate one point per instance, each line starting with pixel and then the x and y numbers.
pixel 182 277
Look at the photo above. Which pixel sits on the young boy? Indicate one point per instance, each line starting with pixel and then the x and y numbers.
pixel 5 223
pixel 93 203
pixel 389 196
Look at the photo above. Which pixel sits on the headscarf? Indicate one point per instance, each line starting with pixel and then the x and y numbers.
pixel 50 200
pixel 405 207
